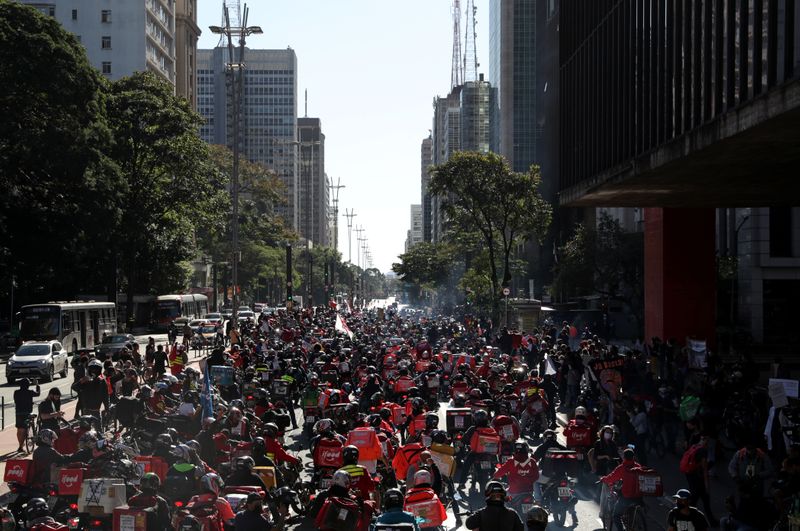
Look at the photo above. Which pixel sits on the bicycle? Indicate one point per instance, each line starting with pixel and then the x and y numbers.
pixel 31 432
pixel 633 519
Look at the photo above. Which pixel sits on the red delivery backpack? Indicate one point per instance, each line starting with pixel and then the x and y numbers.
pixel 18 471
pixel 403 384
pixel 338 514
pixel 485 441
pixel 328 454
pixel 426 506
pixel 406 456
pixel 647 482
pixel 689 462
pixel 204 508
pixel 366 440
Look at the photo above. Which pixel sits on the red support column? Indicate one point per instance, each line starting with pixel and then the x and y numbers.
pixel 680 274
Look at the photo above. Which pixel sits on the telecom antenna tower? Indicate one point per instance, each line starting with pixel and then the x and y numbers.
pixel 457 73
pixel 470 37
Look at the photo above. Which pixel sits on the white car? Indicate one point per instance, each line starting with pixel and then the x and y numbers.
pixel 244 315
pixel 38 359
pixel 215 318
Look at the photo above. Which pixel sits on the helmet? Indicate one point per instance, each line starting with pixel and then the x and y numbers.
pixel 431 421
pixel 212 483
pixel 174 435
pixel 480 417
pixel 162 387
pixel 483 385
pixel 245 462
pixel 235 413
pixel 476 394
pixel 150 481
pixel 341 479
pixel 259 444
pixel 163 440
pixel 459 400
pixel 393 499
pixel 376 398
pixel 145 392
pixel 36 508
pixel 413 391
pixel 418 403
pixel 87 440
pixel 374 420
pixel 495 491
pixel 508 389
pixel 323 425
pixel 190 523
pixel 549 434
pixel 181 451
pixel 208 421
pixel 237 403
pixel 350 454
pixel 271 429
pixel 422 477
pixel 95 364
pixel 194 445
pixel 580 410
pixel 520 447
pixel 47 437
pixel 439 437
pixel 537 518
pixel 261 394
pixel 386 413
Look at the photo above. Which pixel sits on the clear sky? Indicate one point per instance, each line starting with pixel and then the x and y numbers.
pixel 371 68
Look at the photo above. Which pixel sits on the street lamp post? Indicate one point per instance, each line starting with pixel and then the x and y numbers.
pixel 236 70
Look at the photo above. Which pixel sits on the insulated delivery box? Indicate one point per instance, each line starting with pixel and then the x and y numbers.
pixel 100 496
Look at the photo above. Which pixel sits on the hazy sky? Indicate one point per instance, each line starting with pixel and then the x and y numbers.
pixel 372 68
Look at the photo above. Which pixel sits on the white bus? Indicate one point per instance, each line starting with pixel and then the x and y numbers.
pixel 170 307
pixel 77 325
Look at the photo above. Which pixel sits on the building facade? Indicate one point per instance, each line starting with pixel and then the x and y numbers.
pixel 313 193
pixel 268 116
pixel 477 106
pixel 120 36
pixel 426 160
pixel 415 231
pixel 186 34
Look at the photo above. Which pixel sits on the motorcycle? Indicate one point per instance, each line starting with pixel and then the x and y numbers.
pixel 559 498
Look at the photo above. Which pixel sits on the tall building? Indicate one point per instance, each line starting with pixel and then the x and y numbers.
pixel 445 138
pixel 120 36
pixel 313 193
pixel 477 103
pixel 415 235
pixel 186 34
pixel 426 160
pixel 269 114
pixel 512 72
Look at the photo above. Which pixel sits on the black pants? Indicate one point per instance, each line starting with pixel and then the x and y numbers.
pixel 697 486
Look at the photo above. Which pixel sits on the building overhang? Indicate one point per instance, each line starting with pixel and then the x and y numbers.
pixel 749 156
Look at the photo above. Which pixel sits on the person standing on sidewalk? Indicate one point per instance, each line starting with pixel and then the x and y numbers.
pixel 23 407
pixel 684 516
pixel 50 410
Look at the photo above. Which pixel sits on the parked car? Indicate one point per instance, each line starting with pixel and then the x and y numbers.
pixel 38 359
pixel 112 345
pixel 213 318
pixel 244 315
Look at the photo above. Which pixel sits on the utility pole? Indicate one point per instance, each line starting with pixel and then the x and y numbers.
pixel 334 189
pixel 350 214
pixel 356 284
pixel 236 70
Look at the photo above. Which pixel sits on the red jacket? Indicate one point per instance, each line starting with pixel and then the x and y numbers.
pixel 276 452
pixel 521 475
pixel 623 472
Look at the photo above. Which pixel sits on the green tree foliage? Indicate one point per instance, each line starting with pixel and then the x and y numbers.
pixel 425 265
pixel 165 192
pixel 605 261
pixel 53 171
pixel 480 194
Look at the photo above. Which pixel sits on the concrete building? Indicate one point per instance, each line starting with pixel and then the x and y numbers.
pixel 477 103
pixel 186 34
pixel 426 159
pixel 120 36
pixel 313 193
pixel 445 140
pixel 414 235
pixel 269 114
pixel 689 113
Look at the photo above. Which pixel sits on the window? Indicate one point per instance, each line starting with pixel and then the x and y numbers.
pixel 106 67
pixel 74 14
pixel 105 16
pixel 106 42
pixel 51 11
pixel 780 231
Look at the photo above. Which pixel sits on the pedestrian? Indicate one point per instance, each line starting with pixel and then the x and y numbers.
pixel 23 407
pixel 160 361
pixel 50 410
pixel 694 464
pixel 685 517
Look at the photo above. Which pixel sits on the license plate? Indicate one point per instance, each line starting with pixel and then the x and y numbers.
pixel 310 419
pixel 486 465
pixel 23 371
pixel 564 492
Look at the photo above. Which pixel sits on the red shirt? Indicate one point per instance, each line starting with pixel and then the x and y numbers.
pixel 622 472
pixel 276 452
pixel 521 475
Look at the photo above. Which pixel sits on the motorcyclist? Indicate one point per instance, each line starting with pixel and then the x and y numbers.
pixel 360 478
pixel 495 515
pixel 93 393
pixel 148 497
pixel 623 473
pixel 521 471
pixel 45 456
pixel 243 476
pixel 480 422
pixel 37 517
pixel 211 485
pixel 548 443
pixel 393 512
pixel 274 449
pixel 252 517
pixel 237 425
pixel 537 518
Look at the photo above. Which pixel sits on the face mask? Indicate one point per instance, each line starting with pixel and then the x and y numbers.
pixel 607 436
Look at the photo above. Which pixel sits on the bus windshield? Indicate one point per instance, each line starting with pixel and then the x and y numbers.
pixel 168 310
pixel 40 322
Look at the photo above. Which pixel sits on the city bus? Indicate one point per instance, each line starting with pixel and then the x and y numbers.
pixel 170 307
pixel 76 324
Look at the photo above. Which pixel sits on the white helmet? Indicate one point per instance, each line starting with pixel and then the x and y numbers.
pixel 341 478
pixel 422 477
pixel 580 410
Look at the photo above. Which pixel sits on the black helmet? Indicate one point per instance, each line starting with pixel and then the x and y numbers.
pixel 36 508
pixel 480 417
pixel 376 398
pixel 190 523
pixel 271 429
pixel 521 447
pixel 439 437
pixel 459 400
pixel 259 443
pixel 393 499
pixel 245 462
pixel 476 394
pixel 495 491
pixel 386 413
pixel 536 518
pixel 508 389
pixel 418 403
pixel 350 454
pixel 431 421
pixel 549 434
pixel 483 385
pixel 413 391
pixel 374 420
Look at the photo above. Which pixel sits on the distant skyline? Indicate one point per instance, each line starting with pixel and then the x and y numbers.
pixel 372 69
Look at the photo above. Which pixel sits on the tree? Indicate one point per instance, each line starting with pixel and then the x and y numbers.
pixel 480 193
pixel 604 260
pixel 54 175
pixel 166 191
pixel 424 264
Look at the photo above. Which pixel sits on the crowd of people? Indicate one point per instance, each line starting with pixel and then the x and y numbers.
pixel 401 413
